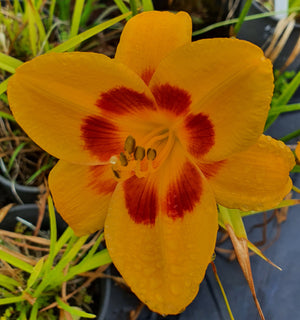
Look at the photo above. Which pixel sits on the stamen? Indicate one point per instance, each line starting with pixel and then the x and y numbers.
pixel 123 160
pixel 139 153
pixel 129 144
pixel 151 154
pixel 117 174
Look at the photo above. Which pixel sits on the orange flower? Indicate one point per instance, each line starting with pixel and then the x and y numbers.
pixel 297 151
pixel 191 117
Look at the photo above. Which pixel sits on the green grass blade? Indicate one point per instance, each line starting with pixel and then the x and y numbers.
pixel 147 5
pixel 55 276
pixel 282 109
pixel 94 247
pixel 222 290
pixel 71 43
pixel 36 272
pixel 3 97
pixel 88 8
pixel 51 12
pixel 9 283
pixel 53 236
pixel 284 98
pixel 38 172
pixel 11 300
pixel 34 311
pixel 242 16
pixel 296 169
pixel 247 18
pixel 288 92
pixel 15 261
pixel 63 239
pixel 74 311
pixel 290 136
pixel 97 260
pixel 33 37
pixel 122 6
pixel 133 7
pixel 17 7
pixel 15 154
pixel 9 63
pixel 76 18
pixel 3 86
pixel 7 116
pixel 39 24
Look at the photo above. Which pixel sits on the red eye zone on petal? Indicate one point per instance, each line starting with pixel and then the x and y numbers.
pixel 172 98
pixel 100 179
pixel 141 200
pixel 184 192
pixel 101 137
pixel 200 134
pixel 123 100
pixel 147 75
pixel 211 169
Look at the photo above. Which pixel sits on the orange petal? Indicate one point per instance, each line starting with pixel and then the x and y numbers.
pixel 229 81
pixel 82 194
pixel 150 36
pixel 57 99
pixel 297 151
pixel 256 179
pixel 161 234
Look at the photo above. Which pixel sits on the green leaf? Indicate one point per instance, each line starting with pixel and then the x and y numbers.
pixel 3 86
pixel 54 277
pixel 242 16
pixel 33 37
pixel 133 7
pixel 296 169
pixel 283 99
pixel 147 5
pixel 122 6
pixel 34 311
pixel 99 259
pixel 36 272
pixel 11 300
pixel 222 290
pixel 74 311
pixel 247 18
pixel 5 115
pixel 53 230
pixel 15 154
pixel 76 17
pixel 290 136
pixel 9 63
pixel 73 42
pixel 8 282
pixel 38 172
pixel 15 261
pixel 286 108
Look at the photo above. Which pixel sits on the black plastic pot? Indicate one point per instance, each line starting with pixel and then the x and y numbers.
pixel 260 31
pixel 29 212
pixel 13 192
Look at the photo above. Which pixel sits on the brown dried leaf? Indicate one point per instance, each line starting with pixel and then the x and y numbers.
pixel 4 211
pixel 241 249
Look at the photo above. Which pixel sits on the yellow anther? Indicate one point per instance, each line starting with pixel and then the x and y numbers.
pixel 139 153
pixel 151 154
pixel 123 160
pixel 129 145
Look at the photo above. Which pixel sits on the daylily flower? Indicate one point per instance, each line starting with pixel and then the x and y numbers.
pixel 150 141
pixel 297 151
